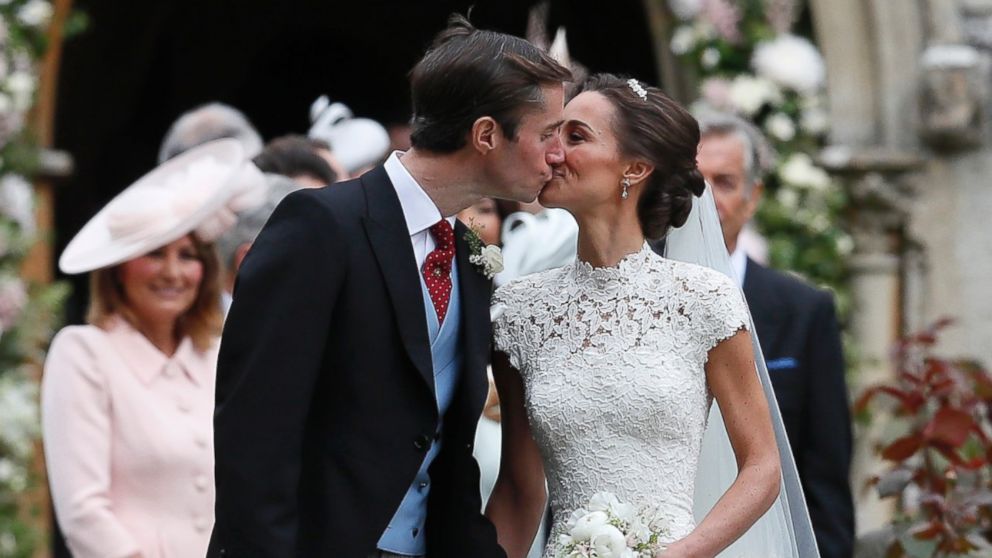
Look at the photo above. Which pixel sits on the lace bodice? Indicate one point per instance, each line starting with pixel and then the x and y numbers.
pixel 612 361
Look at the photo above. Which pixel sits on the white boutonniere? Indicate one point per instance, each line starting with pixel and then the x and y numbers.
pixel 488 258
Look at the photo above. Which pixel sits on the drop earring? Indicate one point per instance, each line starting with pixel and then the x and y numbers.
pixel 626 184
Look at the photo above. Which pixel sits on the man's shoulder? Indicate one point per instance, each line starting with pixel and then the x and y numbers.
pixel 788 288
pixel 342 199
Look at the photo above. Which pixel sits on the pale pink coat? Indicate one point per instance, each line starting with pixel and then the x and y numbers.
pixel 128 442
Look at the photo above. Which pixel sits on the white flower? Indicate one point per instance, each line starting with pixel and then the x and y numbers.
pixel 788 198
pixel 685 9
pixel 588 524
pixel 8 544
pixel 490 258
pixel 602 501
pixel 21 85
pixel 749 93
pixel 799 170
pixel 780 126
pixel 683 40
pixel 6 105
pixel 17 201
pixel 814 120
pixel 710 58
pixel 845 245
pixel 790 61
pixel 36 13
pixel 608 541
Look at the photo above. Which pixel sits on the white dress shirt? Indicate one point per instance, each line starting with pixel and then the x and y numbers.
pixel 738 262
pixel 418 208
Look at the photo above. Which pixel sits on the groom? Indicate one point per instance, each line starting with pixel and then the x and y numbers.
pixel 352 369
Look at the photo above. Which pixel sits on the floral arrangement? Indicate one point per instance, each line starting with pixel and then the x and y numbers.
pixel 487 257
pixel 751 61
pixel 940 450
pixel 609 528
pixel 27 310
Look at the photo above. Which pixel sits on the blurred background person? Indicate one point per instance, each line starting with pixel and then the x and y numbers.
pixel 233 245
pixel 796 325
pixel 209 122
pixel 127 401
pixel 359 143
pixel 483 217
pixel 298 158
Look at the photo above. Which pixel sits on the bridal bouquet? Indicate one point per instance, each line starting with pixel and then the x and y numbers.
pixel 609 528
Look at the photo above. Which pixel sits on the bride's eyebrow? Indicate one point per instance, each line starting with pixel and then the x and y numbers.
pixel 581 124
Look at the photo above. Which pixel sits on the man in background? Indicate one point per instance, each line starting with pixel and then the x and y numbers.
pixel 796 325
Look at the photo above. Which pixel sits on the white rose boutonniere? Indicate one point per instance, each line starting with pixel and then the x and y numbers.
pixel 488 258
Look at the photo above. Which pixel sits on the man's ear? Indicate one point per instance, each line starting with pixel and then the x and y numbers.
pixel 485 134
pixel 637 172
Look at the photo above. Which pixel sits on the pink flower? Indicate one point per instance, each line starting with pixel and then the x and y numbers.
pixel 725 17
pixel 716 93
pixel 781 14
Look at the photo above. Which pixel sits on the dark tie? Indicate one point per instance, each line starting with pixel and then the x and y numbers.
pixel 437 267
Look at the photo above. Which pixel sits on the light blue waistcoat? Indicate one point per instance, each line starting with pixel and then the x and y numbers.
pixel 405 534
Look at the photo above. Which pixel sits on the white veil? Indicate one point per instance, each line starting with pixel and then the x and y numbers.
pixel 785 530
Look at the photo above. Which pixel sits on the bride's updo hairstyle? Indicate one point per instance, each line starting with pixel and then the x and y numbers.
pixel 651 126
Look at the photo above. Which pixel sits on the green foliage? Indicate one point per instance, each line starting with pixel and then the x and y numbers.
pixel 802 210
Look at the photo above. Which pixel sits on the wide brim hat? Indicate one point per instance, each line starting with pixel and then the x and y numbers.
pixel 192 191
pixel 356 142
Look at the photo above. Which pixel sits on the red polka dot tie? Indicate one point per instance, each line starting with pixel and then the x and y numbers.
pixel 437 267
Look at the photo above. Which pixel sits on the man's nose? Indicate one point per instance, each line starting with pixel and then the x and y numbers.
pixel 555 154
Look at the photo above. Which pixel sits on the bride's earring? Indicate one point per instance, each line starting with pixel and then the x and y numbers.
pixel 626 184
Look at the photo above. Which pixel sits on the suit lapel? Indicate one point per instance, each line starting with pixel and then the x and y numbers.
pixel 476 290
pixel 763 304
pixel 390 240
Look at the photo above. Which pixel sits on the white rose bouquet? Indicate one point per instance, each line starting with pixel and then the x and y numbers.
pixel 609 528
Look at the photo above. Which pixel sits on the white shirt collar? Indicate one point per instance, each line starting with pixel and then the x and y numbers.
pixel 418 208
pixel 738 263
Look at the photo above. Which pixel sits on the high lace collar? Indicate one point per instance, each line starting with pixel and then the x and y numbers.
pixel 626 268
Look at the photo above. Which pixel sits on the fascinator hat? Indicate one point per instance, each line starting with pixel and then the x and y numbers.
pixel 199 191
pixel 357 142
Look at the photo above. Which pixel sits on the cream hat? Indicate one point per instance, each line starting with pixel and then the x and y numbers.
pixel 199 190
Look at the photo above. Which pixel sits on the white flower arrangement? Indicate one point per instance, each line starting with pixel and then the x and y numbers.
pixel 488 258
pixel 799 170
pixel 609 528
pixel 790 61
pixel 781 126
pixel 749 93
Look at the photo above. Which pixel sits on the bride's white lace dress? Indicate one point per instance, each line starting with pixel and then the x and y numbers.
pixel 612 361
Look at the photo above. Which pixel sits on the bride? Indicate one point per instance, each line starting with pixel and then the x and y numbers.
pixel 607 368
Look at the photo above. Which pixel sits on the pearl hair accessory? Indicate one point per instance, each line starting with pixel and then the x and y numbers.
pixel 637 89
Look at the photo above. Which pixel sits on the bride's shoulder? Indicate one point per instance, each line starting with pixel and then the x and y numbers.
pixel 695 278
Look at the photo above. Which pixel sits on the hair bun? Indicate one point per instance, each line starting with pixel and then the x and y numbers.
pixel 683 186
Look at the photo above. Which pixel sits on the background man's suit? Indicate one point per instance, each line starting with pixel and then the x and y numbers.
pixel 797 327
pixel 325 395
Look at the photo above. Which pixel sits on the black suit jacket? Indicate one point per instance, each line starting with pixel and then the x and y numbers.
pixel 325 394
pixel 797 329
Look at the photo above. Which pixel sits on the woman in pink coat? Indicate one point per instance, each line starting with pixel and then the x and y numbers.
pixel 127 401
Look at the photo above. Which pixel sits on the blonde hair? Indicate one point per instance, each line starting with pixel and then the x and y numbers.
pixel 201 323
